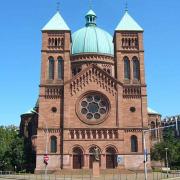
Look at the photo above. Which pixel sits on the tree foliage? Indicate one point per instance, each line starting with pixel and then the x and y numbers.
pixel 158 153
pixel 11 149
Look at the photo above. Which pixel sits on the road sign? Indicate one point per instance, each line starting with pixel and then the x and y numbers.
pixel 120 159
pixel 46 158
pixel 145 155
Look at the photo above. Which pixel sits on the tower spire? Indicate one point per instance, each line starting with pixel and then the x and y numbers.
pixel 58 6
pixel 126 6
pixel 90 4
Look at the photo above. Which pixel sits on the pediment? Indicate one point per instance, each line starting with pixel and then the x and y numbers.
pixel 93 74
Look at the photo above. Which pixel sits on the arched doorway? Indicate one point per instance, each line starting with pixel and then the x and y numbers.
pixel 111 158
pixel 77 158
pixel 92 158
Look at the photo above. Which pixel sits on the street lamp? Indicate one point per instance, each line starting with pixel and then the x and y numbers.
pixel 145 154
pixel 166 149
pixel 46 147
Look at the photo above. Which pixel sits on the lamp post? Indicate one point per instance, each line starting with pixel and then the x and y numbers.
pixel 177 129
pixel 145 155
pixel 166 149
pixel 46 145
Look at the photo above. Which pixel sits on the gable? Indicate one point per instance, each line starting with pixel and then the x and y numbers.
pixel 93 74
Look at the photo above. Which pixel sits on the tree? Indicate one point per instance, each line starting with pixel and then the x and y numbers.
pixel 158 152
pixel 11 149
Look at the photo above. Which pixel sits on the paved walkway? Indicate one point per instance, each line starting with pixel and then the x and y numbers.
pixel 139 176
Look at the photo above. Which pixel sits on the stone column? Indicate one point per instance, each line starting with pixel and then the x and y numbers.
pixel 96 169
pixel 103 161
pixel 86 161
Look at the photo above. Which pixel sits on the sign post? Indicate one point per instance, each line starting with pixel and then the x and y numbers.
pixel 120 161
pixel 46 159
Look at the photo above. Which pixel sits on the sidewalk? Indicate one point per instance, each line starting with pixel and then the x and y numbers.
pixel 138 176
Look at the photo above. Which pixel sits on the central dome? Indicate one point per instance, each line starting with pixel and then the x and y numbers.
pixel 92 39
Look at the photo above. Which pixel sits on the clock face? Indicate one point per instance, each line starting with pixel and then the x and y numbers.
pixel 93 108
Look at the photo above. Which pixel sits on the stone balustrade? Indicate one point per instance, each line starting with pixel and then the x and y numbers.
pixel 93 134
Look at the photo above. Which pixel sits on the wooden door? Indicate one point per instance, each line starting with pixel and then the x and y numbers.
pixel 77 158
pixel 111 159
pixel 77 161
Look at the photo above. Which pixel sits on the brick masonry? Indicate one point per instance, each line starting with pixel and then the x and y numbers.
pixel 112 135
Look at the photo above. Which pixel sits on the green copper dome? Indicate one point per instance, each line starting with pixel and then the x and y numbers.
pixel 92 39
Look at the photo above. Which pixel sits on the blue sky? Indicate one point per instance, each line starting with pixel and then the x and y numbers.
pixel 20 45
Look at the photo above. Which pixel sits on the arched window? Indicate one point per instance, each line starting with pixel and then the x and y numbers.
pixel 136 68
pixel 134 144
pixel 60 68
pixel 136 43
pixel 53 144
pixel 56 42
pixel 51 68
pixel 129 42
pixel 153 132
pixel 126 68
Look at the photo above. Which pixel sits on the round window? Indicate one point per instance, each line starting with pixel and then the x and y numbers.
pixel 132 109
pixel 93 108
pixel 54 109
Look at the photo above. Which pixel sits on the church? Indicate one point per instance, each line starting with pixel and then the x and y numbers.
pixel 92 95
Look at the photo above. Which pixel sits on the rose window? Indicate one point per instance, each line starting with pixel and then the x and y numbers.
pixel 94 107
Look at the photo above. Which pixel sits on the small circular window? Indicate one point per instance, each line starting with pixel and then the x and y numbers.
pixel 54 109
pixel 93 108
pixel 132 109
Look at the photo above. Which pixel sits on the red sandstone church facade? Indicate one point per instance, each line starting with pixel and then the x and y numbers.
pixel 92 94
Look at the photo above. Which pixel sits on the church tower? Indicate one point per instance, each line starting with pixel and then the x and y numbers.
pixel 55 72
pixel 132 97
